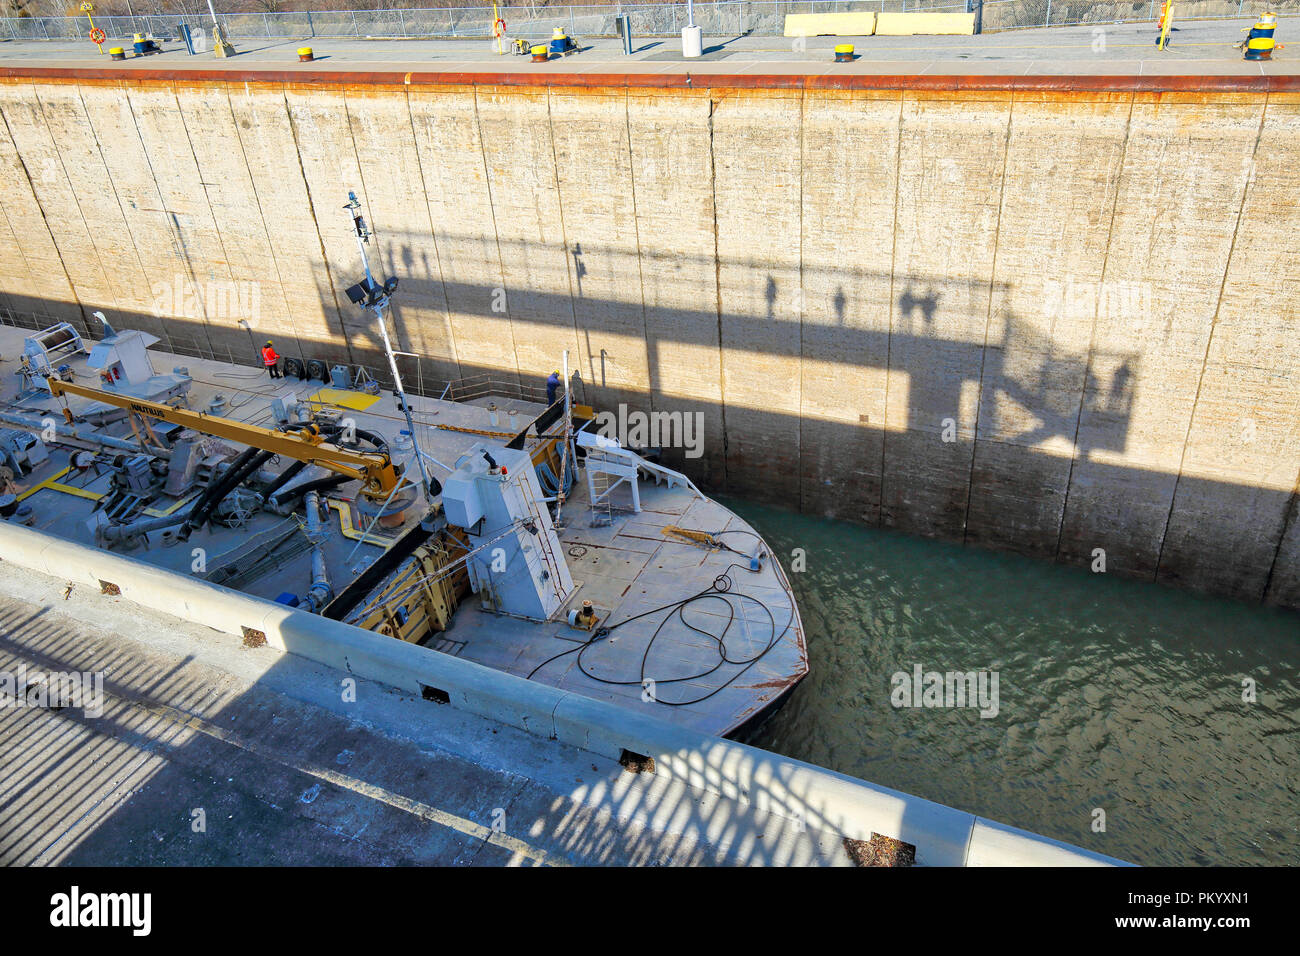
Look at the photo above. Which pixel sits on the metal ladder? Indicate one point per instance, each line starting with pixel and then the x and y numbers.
pixel 602 484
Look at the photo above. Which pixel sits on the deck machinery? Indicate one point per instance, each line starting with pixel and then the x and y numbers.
pixel 325 511
pixel 548 551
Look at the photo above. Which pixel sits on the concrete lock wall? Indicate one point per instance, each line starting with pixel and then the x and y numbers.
pixel 1042 315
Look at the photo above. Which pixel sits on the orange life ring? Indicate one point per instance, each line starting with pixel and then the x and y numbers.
pixel 97 35
pixel 498 28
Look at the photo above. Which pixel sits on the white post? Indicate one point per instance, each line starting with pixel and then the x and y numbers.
pixel 692 36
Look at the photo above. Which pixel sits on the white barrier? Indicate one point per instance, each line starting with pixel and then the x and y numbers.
pixel 830 24
pixel 818 798
pixel 924 24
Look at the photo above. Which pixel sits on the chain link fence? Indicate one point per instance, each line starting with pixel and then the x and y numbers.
pixel 728 18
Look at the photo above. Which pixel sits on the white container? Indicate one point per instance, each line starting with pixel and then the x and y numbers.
pixel 692 41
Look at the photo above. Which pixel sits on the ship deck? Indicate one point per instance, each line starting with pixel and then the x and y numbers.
pixel 716 662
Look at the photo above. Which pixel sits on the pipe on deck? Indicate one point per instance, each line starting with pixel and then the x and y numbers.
pixel 320 592
pixel 74 433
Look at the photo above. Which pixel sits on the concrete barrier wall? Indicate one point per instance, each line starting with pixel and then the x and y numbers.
pixel 1046 316
pixel 809 796
pixel 925 24
pixel 829 24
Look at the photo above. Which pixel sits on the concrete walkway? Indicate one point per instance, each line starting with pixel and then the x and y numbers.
pixel 1201 48
pixel 263 748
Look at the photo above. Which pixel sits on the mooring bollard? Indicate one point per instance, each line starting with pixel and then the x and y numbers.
pixel 844 53
pixel 305 54
pixel 540 54
pixel 1259 41
pixel 117 53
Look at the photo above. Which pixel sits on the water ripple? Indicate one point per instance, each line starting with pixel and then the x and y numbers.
pixel 1113 694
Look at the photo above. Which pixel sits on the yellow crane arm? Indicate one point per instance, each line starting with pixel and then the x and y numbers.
pixel 373 468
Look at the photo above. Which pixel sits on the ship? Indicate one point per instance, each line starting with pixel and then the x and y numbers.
pixel 485 523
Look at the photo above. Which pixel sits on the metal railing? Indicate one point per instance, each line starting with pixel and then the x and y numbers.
pixel 488 385
pixel 723 18
pixel 415 380
pixel 1023 14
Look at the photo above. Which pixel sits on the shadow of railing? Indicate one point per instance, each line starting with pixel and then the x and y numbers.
pixel 992 443
pixel 121 788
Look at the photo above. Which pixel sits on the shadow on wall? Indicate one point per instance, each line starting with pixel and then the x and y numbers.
pixel 987 483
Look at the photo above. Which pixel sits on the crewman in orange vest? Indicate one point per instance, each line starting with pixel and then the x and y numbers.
pixel 271 360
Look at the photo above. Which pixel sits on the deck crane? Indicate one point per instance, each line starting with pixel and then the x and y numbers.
pixel 375 470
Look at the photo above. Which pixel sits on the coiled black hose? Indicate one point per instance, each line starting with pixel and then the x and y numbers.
pixel 719 590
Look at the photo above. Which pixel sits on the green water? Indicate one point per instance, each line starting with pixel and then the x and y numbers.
pixel 1113 694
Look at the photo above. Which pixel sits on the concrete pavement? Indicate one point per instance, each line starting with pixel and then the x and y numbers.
pixel 212 753
pixel 1202 47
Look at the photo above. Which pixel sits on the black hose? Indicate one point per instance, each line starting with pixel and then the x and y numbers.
pixel 319 484
pixel 231 482
pixel 284 477
pixel 379 442
pixel 232 479
pixel 213 487
pixel 720 590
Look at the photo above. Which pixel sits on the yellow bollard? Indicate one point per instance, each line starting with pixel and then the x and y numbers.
pixel 844 53
pixel 1259 41
pixel 305 54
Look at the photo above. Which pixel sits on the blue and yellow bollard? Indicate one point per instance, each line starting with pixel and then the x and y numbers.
pixel 1259 41
pixel 144 47
pixel 561 43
